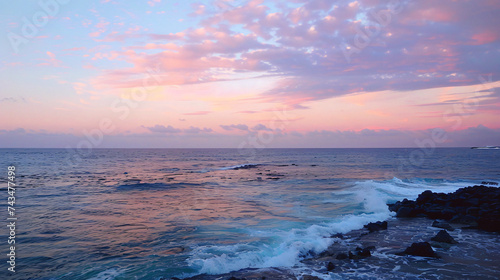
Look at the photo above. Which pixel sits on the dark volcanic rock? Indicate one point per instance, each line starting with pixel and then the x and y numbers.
pixel 443 225
pixel 421 249
pixel 404 212
pixel 477 206
pixel 394 207
pixel 341 256
pixel 424 197
pixel 464 220
pixel 473 211
pixel 376 226
pixel 360 254
pixel 444 236
pixel 363 252
pixel 448 213
pixel 327 253
pixel 330 266
pixel 491 223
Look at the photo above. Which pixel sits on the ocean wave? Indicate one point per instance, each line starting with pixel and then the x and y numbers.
pixel 287 248
pixel 293 246
pixel 397 189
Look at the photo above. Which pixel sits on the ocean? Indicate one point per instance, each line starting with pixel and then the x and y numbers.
pixel 153 213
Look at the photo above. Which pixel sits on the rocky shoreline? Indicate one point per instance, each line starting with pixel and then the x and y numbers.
pixel 477 207
pixel 421 229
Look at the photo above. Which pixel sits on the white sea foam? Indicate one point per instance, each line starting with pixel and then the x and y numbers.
pixel 293 245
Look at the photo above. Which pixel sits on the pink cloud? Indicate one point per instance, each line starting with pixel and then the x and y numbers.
pixel 199 9
pixel 110 56
pixel 102 25
pixel 432 14
pixel 51 61
pixel 299 14
pixel 76 49
pixel 116 36
pixel 152 3
pixel 245 14
pixel 485 37
pixel 86 22
pixel 153 46
pixel 79 87
pixel 94 34
pixel 425 42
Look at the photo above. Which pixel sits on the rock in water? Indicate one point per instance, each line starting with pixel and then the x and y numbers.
pixel 376 226
pixel 342 256
pixel 330 266
pixel 465 220
pixel 363 252
pixel 360 254
pixel 421 249
pixel 476 206
pixel 424 197
pixel 444 236
pixel 404 212
pixel 443 225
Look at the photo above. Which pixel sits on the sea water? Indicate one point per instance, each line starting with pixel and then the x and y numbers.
pixel 153 213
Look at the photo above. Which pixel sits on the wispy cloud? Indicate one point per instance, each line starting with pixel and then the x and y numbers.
pixel 13 100
pixel 193 129
pixel 235 126
pixel 51 61
pixel 171 130
pixel 260 127
pixel 163 129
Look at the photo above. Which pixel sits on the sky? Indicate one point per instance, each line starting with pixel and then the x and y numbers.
pixel 249 74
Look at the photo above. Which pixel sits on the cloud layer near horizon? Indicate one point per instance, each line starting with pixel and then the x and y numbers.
pixel 169 137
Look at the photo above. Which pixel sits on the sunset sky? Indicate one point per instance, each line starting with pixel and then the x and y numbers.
pixel 259 73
